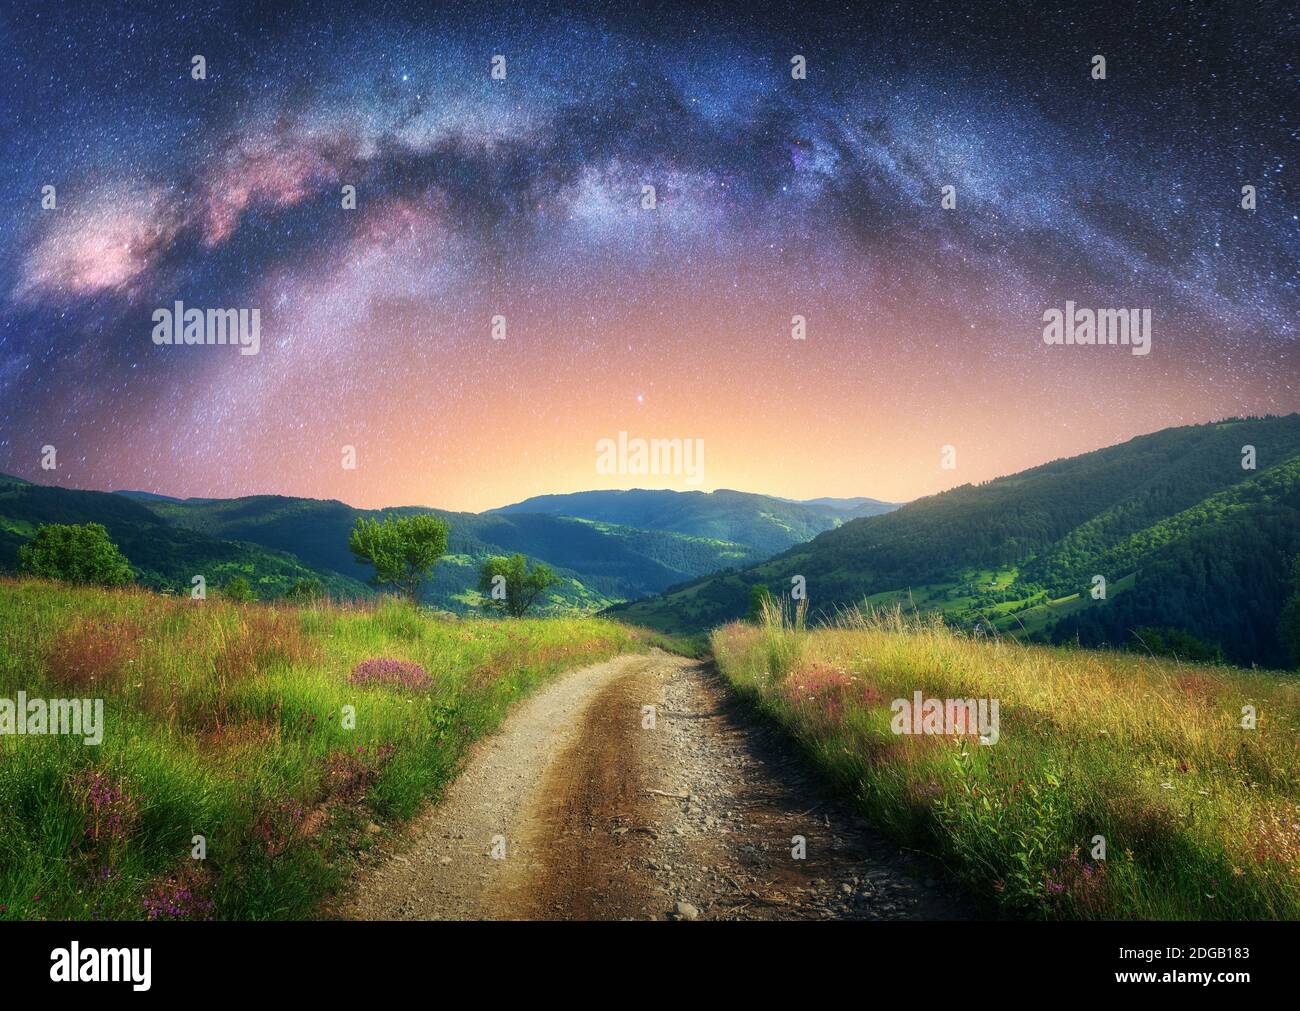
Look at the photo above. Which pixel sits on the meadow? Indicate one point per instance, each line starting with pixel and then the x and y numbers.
pixel 1200 816
pixel 229 721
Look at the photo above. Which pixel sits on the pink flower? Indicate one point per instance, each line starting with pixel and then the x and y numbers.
pixel 392 673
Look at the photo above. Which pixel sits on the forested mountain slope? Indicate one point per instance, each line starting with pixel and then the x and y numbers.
pixel 1186 537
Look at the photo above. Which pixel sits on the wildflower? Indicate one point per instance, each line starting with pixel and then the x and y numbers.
pixel 393 673
pixel 109 810
pixel 180 897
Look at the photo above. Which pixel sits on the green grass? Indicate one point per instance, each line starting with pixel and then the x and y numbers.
pixel 1201 817
pixel 226 721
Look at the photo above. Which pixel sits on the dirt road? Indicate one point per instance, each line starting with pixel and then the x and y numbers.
pixel 588 805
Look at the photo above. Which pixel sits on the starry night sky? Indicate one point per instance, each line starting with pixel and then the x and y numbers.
pixel 522 197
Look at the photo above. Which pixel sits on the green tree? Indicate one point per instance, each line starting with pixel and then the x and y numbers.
pixel 1289 628
pixel 511 586
pixel 305 591
pixel 403 549
pixel 75 552
pixel 760 599
pixel 238 589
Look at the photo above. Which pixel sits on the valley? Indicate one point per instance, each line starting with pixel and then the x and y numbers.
pixel 1194 546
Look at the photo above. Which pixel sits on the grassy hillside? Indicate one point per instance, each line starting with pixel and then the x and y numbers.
pixel 765 524
pixel 1204 545
pixel 163 555
pixel 1201 818
pixel 225 721
pixel 1219 568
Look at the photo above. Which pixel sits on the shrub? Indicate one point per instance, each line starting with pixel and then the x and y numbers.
pixel 75 553
pixel 238 589
pixel 305 591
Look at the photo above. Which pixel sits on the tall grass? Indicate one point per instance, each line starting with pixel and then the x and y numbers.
pixel 227 721
pixel 1200 817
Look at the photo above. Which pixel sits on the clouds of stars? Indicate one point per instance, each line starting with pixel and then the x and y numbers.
pixel 523 197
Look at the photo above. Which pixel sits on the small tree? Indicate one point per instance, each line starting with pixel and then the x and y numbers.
pixel 403 549
pixel 238 589
pixel 305 591
pixel 75 552
pixel 511 586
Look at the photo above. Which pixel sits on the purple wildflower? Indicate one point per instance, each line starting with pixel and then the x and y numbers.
pixel 109 810
pixel 392 673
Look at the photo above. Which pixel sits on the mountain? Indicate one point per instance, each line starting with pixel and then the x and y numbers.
pixel 148 496
pixel 600 562
pixel 275 541
pixel 1186 538
pixel 163 555
pixel 859 506
pixel 765 523
pixel 1218 568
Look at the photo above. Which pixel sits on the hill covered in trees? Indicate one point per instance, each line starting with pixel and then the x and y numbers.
pixel 598 562
pixel 1186 538
pixel 276 542
pixel 767 524
pixel 162 555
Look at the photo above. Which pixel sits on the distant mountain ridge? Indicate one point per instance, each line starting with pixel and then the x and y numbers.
pixel 767 523
pixel 1185 537
pixel 274 541
pixel 163 555
pixel 847 504
pixel 599 562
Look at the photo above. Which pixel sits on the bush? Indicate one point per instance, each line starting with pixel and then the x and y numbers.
pixel 238 589
pixel 305 591
pixel 75 553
